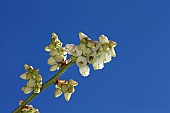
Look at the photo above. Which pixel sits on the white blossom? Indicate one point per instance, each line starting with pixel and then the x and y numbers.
pixel 76 52
pixel 69 48
pixel 91 58
pixel 103 39
pixel 98 64
pixel 87 51
pixel 85 70
pixel 105 57
pixel 54 52
pixel 81 61
pixel 59 58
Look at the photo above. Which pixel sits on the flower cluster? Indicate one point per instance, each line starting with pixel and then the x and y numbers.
pixel 28 109
pixel 66 87
pixel 34 80
pixel 91 52
pixel 57 53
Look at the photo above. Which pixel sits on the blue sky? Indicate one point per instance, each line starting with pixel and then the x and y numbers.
pixel 136 81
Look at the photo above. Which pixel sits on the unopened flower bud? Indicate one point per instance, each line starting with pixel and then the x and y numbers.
pixel 35 71
pixel 85 70
pixel 112 43
pixel 57 92
pixel 67 96
pixel 31 83
pixel 24 76
pixel 54 52
pixel 51 61
pixel 59 58
pixel 54 67
pixel 72 82
pixel 54 36
pixel 82 35
pixel 64 87
pixel 103 39
pixel 37 90
pixel 81 61
pixel 27 90
pixel 26 66
pixel 47 49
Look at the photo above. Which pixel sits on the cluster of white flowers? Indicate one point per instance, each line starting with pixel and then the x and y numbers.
pixel 91 52
pixel 66 87
pixel 34 80
pixel 28 109
pixel 57 53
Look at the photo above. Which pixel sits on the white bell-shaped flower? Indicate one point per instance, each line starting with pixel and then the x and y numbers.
pixel 105 57
pixel 69 48
pixel 91 58
pixel 54 67
pixel 76 52
pixel 87 51
pixel 85 70
pixel 103 39
pixel 98 64
pixel 81 61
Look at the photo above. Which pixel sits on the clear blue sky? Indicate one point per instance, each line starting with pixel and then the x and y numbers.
pixel 136 81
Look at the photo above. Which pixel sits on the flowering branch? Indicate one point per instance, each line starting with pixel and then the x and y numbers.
pixel 96 53
pixel 47 84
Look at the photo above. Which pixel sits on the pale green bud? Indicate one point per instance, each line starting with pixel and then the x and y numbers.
pixel 72 82
pixel 47 49
pixel 54 52
pixel 24 76
pixel 27 90
pixel 112 43
pixel 54 36
pixel 54 67
pixel 31 83
pixel 90 44
pixel 51 61
pixel 26 67
pixel 59 58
